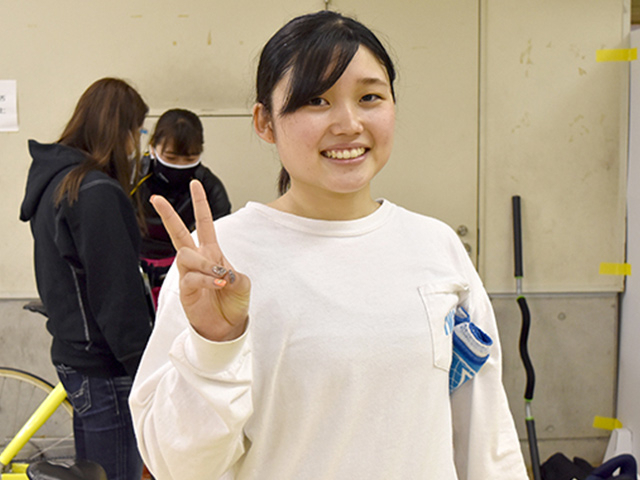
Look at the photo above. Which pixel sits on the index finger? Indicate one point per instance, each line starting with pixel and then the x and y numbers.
pixel 202 213
pixel 177 230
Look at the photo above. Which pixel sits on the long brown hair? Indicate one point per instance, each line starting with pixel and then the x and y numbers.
pixel 109 113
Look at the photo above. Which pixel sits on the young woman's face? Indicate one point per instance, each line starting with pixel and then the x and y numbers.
pixel 338 142
pixel 166 152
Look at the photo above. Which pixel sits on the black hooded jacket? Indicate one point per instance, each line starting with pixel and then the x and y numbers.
pixel 86 265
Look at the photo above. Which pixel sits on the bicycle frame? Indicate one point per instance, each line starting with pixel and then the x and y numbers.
pixel 19 472
pixel 37 419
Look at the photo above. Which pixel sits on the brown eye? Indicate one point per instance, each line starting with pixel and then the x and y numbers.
pixel 317 102
pixel 371 97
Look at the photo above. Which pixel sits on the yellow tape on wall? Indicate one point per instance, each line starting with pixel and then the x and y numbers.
pixel 606 423
pixel 617 55
pixel 615 269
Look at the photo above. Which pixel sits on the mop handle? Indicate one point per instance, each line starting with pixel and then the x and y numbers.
pixel 522 302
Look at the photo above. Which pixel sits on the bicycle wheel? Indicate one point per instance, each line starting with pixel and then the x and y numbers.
pixel 20 395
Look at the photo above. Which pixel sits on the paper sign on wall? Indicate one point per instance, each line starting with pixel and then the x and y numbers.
pixel 8 106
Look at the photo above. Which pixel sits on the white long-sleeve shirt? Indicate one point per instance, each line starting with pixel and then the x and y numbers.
pixel 342 373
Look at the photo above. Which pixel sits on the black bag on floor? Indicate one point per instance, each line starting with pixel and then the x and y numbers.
pixel 559 467
pixel 625 463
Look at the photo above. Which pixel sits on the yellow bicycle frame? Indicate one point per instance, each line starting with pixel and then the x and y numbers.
pixel 37 419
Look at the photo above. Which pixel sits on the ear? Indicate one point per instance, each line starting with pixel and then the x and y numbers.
pixel 262 123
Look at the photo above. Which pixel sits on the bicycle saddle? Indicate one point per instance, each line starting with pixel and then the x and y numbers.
pixel 36 306
pixel 81 470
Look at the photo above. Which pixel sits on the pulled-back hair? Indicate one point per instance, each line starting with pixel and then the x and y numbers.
pixel 316 48
pixel 182 129
pixel 101 127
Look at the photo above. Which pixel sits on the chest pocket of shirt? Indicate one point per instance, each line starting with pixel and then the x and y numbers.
pixel 440 302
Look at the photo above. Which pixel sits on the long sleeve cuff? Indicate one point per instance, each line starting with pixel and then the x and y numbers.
pixel 210 357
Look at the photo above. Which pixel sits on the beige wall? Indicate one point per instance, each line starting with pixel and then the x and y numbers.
pixel 194 56
pixel 553 129
pixel 494 99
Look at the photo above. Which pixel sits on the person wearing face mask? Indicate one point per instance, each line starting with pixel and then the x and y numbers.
pixel 86 245
pixel 173 160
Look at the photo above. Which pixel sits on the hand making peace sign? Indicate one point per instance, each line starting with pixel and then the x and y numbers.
pixel 214 297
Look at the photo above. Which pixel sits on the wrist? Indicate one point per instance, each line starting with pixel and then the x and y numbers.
pixel 217 334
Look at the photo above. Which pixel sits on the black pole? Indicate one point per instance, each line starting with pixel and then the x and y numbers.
pixel 517 236
pixel 524 337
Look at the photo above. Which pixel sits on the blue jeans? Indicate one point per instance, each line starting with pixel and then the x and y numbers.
pixel 102 423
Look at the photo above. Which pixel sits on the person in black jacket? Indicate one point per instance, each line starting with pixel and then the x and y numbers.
pixel 173 159
pixel 86 245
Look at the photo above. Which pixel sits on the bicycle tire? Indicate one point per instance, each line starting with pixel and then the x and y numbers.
pixel 21 393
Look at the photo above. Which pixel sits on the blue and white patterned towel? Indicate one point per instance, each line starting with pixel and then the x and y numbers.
pixel 470 349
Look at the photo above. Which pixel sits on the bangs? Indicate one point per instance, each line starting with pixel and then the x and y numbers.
pixel 183 143
pixel 316 70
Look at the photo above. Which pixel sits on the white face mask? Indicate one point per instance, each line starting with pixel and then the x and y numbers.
pixel 155 155
pixel 174 174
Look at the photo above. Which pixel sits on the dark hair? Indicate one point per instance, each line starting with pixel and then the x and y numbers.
pixel 182 129
pixel 316 48
pixel 106 116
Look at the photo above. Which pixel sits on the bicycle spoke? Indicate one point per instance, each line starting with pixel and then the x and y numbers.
pixel 20 395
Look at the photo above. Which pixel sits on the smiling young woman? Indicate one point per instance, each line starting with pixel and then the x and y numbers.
pixel 335 145
pixel 311 338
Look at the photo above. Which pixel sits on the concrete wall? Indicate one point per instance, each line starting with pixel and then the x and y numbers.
pixel 573 348
pixel 24 340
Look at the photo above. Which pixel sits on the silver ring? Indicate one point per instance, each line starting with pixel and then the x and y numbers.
pixel 219 271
